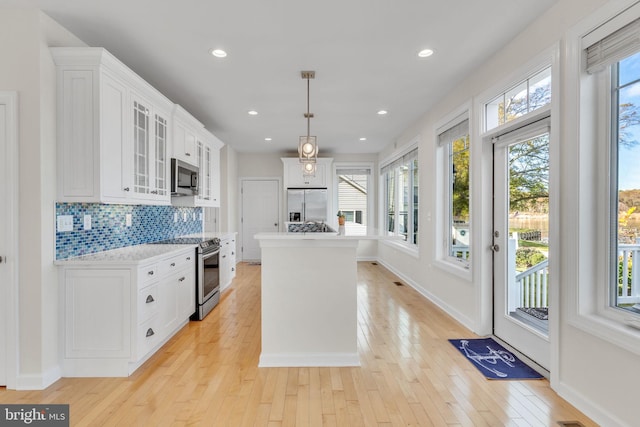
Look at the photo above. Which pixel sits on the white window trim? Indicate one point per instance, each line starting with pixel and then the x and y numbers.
pixel 588 306
pixel 370 191
pixel 404 246
pixel 461 268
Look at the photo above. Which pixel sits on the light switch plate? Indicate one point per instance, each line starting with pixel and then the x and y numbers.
pixel 64 223
pixel 87 222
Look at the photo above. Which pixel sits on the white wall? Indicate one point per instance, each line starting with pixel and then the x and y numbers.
pixel 229 189
pixel 28 69
pixel 595 375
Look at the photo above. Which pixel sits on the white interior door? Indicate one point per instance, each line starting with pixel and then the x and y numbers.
pixel 260 214
pixel 8 236
pixel 521 241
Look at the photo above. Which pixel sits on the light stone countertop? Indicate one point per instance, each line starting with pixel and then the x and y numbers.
pixel 128 255
pixel 138 254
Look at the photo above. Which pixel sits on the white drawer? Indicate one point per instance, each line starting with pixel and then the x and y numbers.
pixel 173 264
pixel 149 334
pixel 147 274
pixel 148 302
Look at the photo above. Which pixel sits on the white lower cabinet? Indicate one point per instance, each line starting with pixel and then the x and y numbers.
pixel 227 260
pixel 115 317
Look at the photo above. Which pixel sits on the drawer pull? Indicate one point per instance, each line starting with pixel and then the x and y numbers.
pixel 224 256
pixel 181 279
pixel 150 299
pixel 126 188
pixel 150 273
pixel 233 269
pixel 187 154
pixel 150 333
pixel 233 253
pixel 154 192
pixel 188 258
pixel 173 264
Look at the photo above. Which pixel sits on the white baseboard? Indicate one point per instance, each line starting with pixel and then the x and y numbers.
pixel 38 381
pixel 590 408
pixel 458 316
pixel 281 360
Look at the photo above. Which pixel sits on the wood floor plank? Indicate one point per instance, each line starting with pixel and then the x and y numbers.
pixel 208 375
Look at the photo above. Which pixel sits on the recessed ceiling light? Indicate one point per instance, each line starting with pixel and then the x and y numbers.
pixel 425 53
pixel 382 112
pixel 218 53
pixel 363 139
pixel 253 113
pixel 267 139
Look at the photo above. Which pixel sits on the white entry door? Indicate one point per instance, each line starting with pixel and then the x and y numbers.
pixel 521 241
pixel 260 213
pixel 8 244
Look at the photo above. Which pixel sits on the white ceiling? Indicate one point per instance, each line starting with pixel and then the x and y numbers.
pixel 364 53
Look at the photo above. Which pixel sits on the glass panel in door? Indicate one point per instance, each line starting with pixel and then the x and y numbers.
pixel 140 148
pixel 160 156
pixel 521 244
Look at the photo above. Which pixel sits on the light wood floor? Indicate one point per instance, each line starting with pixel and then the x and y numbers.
pixel 410 375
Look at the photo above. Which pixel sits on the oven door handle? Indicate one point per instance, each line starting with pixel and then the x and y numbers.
pixel 210 254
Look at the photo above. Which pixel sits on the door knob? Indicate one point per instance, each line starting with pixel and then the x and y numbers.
pixel 495 248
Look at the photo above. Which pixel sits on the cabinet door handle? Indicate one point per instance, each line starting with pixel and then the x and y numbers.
pixel 224 256
pixel 173 264
pixel 150 273
pixel 188 258
pixel 150 333
pixel 154 192
pixel 233 269
pixel 187 154
pixel 126 188
pixel 233 253
pixel 150 299
pixel 181 279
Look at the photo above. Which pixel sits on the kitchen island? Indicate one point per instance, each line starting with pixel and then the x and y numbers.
pixel 309 299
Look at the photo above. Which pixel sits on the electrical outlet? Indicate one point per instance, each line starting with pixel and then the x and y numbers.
pixel 64 223
pixel 128 220
pixel 87 222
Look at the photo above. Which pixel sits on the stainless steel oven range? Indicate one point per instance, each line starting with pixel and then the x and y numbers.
pixel 208 278
pixel 207 272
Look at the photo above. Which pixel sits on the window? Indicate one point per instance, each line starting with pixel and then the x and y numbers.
pixel 353 183
pixel 523 98
pixel 400 179
pixel 619 55
pixel 454 141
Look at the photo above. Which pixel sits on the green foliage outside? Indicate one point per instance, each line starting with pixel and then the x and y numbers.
pixel 528 257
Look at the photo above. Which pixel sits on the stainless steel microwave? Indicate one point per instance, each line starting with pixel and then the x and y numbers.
pixel 184 178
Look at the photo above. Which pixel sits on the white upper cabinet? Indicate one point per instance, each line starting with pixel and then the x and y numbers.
pixel 294 177
pixel 113 131
pixel 185 135
pixel 207 159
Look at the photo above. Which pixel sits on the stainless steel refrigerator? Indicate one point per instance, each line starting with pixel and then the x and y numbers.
pixel 307 204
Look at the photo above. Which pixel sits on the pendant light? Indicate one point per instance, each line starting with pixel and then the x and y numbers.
pixel 307 146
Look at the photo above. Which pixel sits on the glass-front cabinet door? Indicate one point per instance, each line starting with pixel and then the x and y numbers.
pixel 160 161
pixel 141 157
pixel 150 166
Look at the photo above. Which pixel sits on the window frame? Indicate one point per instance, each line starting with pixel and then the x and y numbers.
pixel 414 190
pixel 445 218
pixel 590 122
pixel 370 188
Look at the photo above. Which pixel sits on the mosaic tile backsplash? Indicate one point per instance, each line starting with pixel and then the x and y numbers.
pixel 109 230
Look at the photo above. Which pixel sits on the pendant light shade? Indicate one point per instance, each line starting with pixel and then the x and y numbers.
pixel 307 145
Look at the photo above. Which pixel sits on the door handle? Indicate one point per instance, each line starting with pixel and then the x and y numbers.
pixel 495 248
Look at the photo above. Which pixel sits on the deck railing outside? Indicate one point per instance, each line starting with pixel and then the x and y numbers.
pixel 531 287
pixel 629 273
